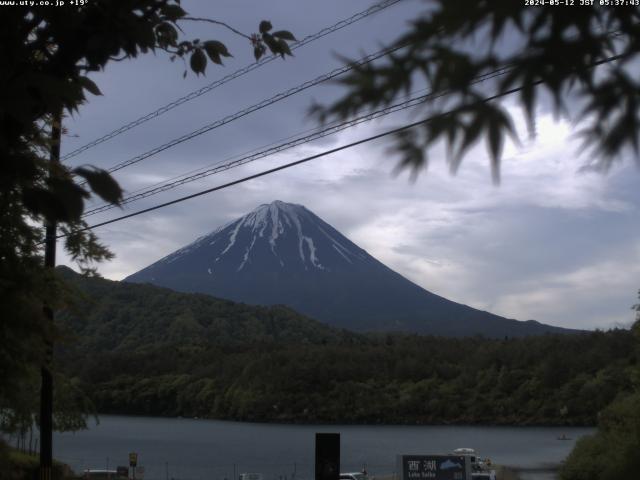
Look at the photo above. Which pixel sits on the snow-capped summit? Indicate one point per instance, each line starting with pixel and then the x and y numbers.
pixel 281 253
pixel 273 235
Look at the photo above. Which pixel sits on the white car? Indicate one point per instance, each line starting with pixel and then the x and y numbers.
pixel 354 476
pixel 102 475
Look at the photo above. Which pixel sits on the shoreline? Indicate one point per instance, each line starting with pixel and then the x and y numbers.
pixel 354 423
pixel 190 447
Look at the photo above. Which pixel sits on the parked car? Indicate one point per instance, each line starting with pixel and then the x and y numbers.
pixel 102 475
pixel 250 476
pixel 354 476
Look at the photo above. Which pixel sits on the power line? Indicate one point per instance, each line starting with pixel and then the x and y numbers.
pixel 329 152
pixel 231 158
pixel 279 147
pixel 250 177
pixel 292 164
pixel 247 158
pixel 253 108
pixel 258 106
pixel 238 73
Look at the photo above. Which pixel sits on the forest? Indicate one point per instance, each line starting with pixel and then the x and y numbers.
pixel 145 350
pixel 395 379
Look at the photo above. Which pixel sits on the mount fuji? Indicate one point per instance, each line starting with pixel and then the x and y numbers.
pixel 282 253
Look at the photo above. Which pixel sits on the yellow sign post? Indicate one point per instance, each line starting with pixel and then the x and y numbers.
pixel 133 462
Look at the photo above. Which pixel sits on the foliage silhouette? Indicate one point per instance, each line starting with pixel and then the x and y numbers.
pixel 46 55
pixel 547 51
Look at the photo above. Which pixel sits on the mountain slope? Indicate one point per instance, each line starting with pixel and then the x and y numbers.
pixel 115 316
pixel 284 254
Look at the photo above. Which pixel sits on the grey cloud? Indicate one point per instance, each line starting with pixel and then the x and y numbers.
pixel 518 249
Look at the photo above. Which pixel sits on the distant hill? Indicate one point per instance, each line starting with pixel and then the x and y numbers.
pixel 115 316
pixel 282 253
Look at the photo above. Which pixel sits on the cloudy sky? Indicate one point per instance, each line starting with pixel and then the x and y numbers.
pixel 552 243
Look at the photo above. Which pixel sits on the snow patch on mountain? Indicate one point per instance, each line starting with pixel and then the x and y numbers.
pixel 245 259
pixel 341 254
pixel 183 251
pixel 233 236
pixel 273 219
pixel 341 249
pixel 272 222
pixel 312 253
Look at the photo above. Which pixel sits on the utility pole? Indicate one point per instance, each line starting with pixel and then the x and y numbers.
pixel 46 390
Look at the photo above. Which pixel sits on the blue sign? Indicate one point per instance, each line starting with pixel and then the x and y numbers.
pixel 434 467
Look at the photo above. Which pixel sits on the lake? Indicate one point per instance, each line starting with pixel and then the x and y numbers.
pixel 192 449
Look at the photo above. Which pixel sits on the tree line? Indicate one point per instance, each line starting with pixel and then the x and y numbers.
pixel 389 378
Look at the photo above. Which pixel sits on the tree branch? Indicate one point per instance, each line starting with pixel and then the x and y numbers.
pixel 216 22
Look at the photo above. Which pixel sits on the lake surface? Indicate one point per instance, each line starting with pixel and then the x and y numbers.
pixel 192 449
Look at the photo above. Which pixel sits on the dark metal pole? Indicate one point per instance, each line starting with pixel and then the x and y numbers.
pixel 46 391
pixel 327 456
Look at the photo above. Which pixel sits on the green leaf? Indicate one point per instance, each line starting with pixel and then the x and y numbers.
pixel 218 47
pixel 528 97
pixel 413 156
pixel 166 34
pixel 271 42
pixel 198 61
pixel 284 35
pixel 265 26
pixel 101 183
pixel 495 141
pixel 471 135
pixel 215 49
pixel 70 198
pixel 258 51
pixel 89 85
pixel 41 202
pixel 213 55
pixel 284 48
pixel 61 201
pixel 173 12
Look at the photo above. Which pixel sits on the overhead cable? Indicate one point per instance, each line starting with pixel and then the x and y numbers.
pixel 327 152
pixel 238 73
pixel 280 147
pixel 288 165
pixel 253 108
